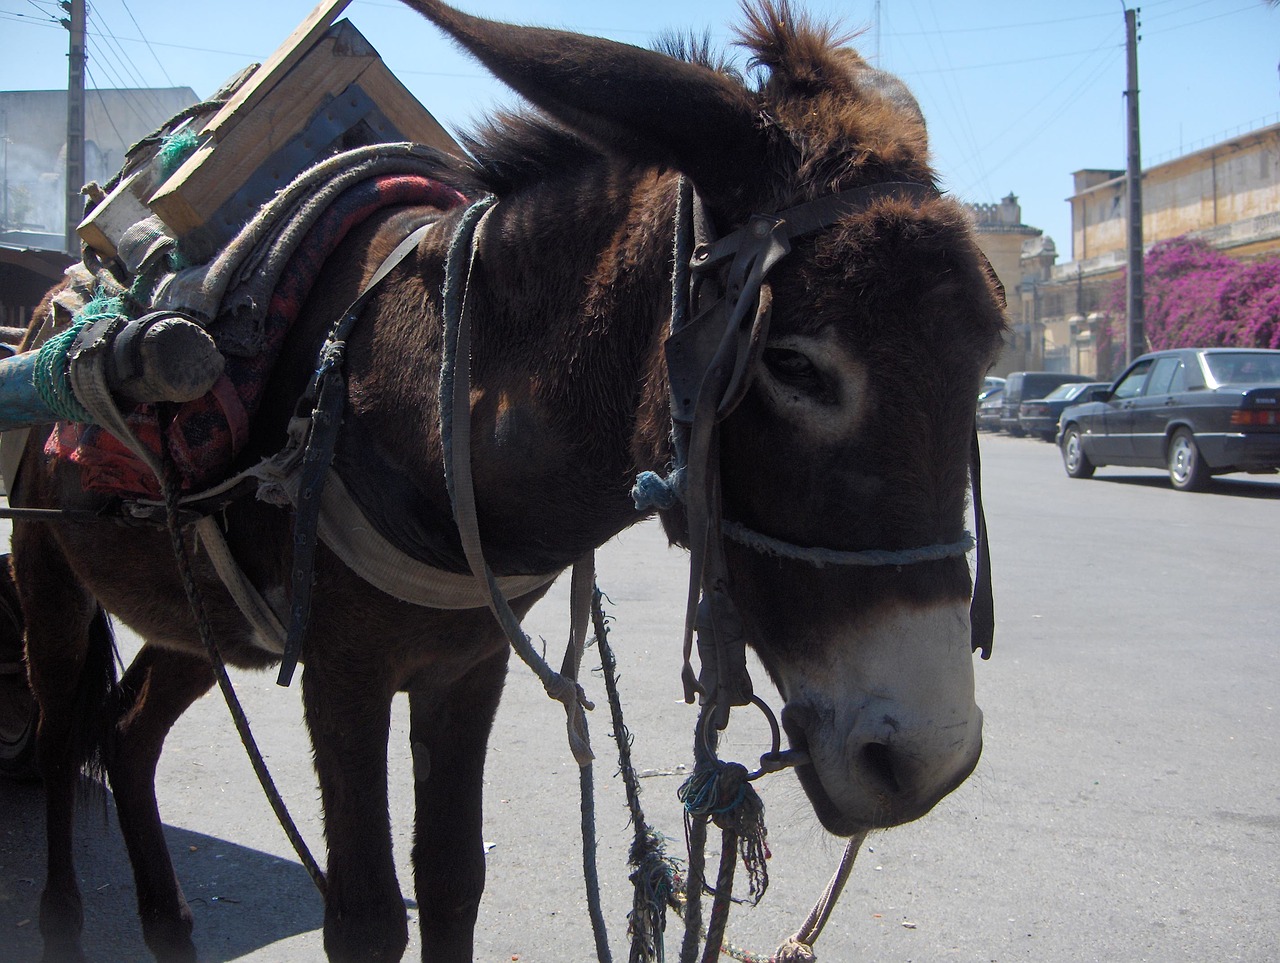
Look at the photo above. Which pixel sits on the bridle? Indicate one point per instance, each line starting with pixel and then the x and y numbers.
pixel 721 308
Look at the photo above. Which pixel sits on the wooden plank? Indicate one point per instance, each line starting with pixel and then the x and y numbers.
pixel 403 110
pixel 126 204
pixel 275 67
pixel 189 198
pixel 117 212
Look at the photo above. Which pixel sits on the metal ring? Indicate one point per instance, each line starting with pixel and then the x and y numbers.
pixel 773 761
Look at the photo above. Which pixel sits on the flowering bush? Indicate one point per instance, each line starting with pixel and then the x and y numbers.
pixel 1197 296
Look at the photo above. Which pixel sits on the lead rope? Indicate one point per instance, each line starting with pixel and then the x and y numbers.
pixel 655 876
pixel 455 432
pixel 172 493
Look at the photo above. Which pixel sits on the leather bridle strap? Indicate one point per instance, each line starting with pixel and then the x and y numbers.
pixel 710 364
pixel 813 216
pixel 324 398
pixel 982 610
pixel 461 268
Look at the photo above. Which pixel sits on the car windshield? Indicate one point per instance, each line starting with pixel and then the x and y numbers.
pixel 1243 367
pixel 1066 392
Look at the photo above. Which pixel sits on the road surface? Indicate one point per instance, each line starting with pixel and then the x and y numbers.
pixel 1126 808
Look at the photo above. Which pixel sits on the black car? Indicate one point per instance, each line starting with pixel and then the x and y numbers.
pixel 990 404
pixel 1196 411
pixel 1027 385
pixel 1040 417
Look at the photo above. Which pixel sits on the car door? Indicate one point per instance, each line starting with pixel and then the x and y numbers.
pixel 1114 443
pixel 1151 410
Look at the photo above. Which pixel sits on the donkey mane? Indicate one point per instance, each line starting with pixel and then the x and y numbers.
pixel 521 148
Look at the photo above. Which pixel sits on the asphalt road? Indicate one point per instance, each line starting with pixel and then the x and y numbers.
pixel 1127 806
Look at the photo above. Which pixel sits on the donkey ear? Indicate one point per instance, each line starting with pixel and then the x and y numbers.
pixel 634 102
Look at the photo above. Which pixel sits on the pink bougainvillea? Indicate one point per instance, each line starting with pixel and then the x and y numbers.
pixel 1196 296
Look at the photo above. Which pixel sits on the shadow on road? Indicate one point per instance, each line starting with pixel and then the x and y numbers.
pixel 1233 486
pixel 242 899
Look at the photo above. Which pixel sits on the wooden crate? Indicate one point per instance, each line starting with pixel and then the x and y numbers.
pixel 324 89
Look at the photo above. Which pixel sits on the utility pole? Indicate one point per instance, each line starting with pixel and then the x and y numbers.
pixel 4 142
pixel 879 65
pixel 1135 343
pixel 75 122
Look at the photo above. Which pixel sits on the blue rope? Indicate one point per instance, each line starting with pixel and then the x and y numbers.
pixel 652 491
pixel 829 556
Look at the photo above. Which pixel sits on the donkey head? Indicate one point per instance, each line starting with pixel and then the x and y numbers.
pixel 856 429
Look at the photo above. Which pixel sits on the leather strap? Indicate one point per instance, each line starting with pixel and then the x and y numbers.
pixel 327 393
pixel 455 430
pixel 982 607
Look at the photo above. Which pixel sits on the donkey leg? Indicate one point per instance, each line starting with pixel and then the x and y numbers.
pixel 449 732
pixel 69 661
pixel 157 688
pixel 348 710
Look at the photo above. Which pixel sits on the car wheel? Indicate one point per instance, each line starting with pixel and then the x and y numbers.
pixel 18 712
pixel 1074 460
pixel 1187 470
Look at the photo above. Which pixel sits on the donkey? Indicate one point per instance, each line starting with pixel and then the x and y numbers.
pixel 851 431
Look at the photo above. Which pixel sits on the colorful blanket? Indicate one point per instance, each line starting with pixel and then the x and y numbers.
pixel 207 434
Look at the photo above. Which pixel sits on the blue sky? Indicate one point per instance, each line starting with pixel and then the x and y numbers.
pixel 1018 95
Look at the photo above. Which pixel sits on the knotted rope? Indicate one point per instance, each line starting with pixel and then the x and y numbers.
pixel 654 875
pixel 53 370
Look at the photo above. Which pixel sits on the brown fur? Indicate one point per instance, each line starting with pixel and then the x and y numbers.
pixel 569 396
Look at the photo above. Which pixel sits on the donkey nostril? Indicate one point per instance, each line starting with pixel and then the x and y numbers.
pixel 878 759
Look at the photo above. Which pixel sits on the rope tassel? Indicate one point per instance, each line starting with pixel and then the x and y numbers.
pixel 721 792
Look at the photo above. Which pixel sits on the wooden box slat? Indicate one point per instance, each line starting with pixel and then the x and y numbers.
pixel 267 123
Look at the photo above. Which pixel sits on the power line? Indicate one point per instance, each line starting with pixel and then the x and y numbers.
pixel 141 34
pixel 1195 23
pixel 949 31
pixel 1003 63
pixel 17 17
pixel 102 102
pixel 127 79
pixel 1051 118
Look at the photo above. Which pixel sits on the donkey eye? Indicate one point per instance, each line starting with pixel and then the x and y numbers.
pixel 794 368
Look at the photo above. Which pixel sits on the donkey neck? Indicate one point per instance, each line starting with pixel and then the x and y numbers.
pixel 572 309
pixel 568 308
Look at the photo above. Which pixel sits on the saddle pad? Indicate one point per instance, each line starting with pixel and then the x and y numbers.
pixel 207 434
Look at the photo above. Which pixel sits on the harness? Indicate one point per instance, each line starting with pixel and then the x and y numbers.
pixel 721 308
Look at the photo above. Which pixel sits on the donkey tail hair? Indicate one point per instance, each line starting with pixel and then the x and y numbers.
pixel 97 702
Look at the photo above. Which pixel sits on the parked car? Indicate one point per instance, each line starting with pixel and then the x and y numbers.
pixel 989 407
pixel 1040 417
pixel 988 383
pixel 1197 412
pixel 1027 385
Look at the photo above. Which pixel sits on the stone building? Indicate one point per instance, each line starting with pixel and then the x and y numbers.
pixel 1004 239
pixel 1228 194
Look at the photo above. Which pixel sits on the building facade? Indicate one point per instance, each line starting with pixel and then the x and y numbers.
pixel 1228 194
pixel 33 129
pixel 33 160
pixel 1005 240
